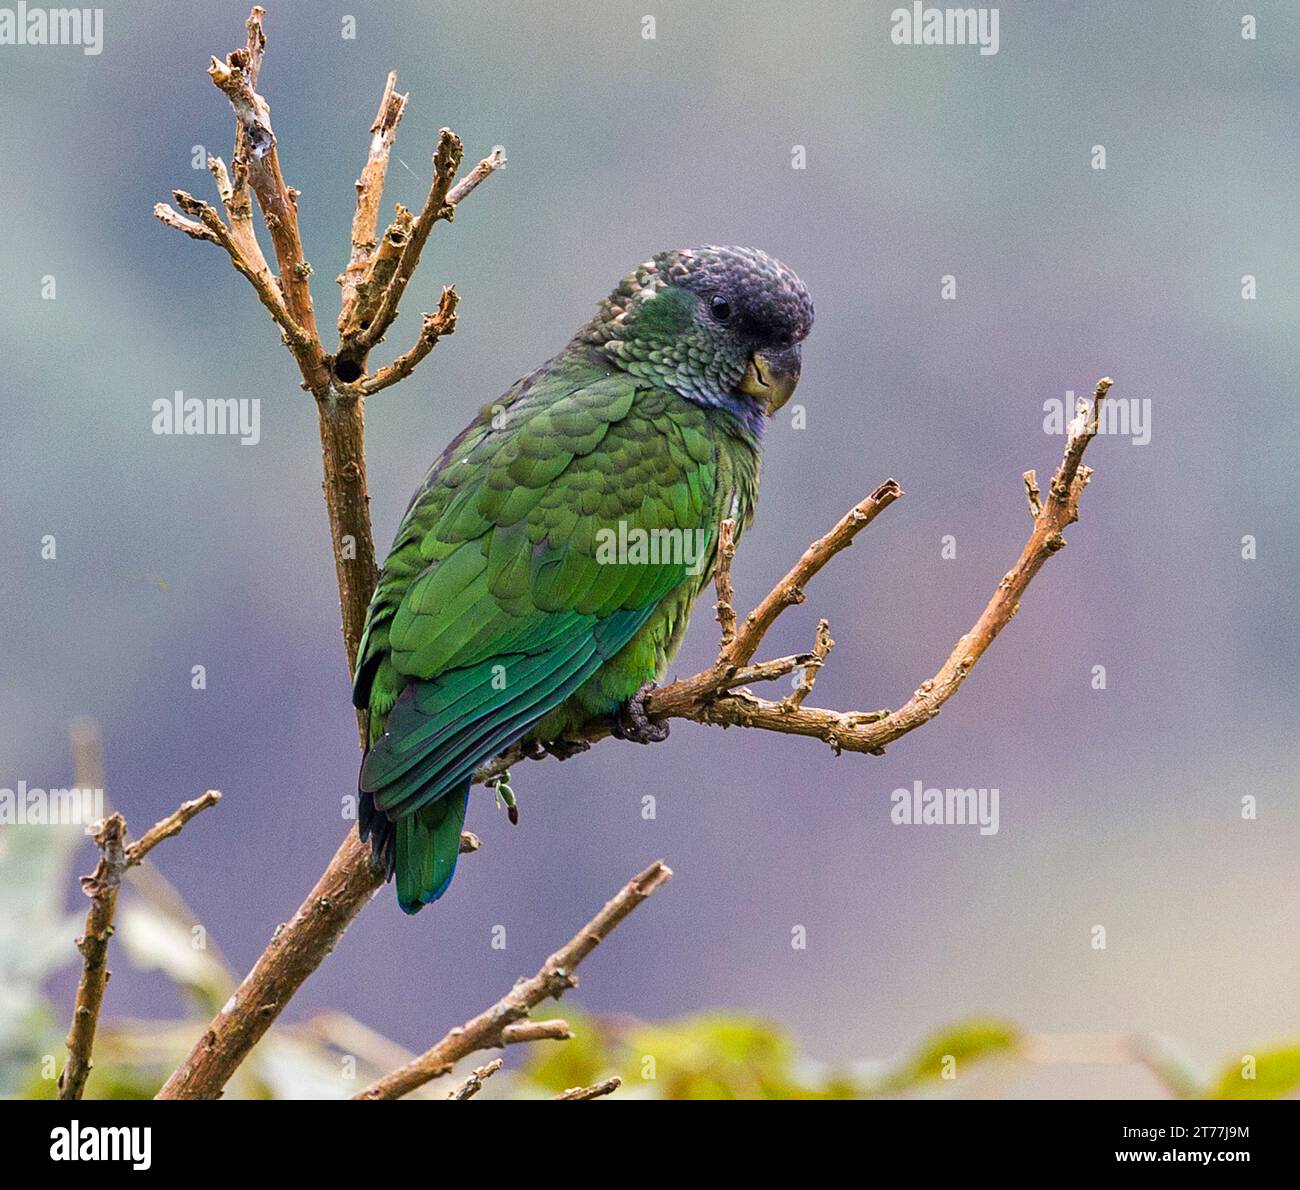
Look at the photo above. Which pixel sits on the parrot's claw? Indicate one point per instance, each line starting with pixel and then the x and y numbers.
pixel 560 749
pixel 566 749
pixel 632 723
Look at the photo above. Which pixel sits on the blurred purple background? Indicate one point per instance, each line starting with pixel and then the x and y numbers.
pixel 1119 807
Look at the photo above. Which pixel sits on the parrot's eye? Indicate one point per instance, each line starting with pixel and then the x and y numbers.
pixel 720 308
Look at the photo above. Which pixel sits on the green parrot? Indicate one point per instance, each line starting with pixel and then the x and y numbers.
pixel 545 569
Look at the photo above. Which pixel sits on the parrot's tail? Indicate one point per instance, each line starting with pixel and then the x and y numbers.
pixel 421 848
pixel 415 778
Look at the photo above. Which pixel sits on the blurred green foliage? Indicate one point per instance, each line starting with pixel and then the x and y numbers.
pixel 713 1055
pixel 1276 1076
pixel 724 1056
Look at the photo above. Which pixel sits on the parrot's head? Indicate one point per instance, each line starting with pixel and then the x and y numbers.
pixel 721 326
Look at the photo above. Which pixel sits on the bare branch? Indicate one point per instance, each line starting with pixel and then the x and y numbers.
pixel 257 160
pixel 255 47
pixel 474 1084
pixel 446 161
pixel 380 289
pixel 372 285
pixel 555 978
pixel 370 191
pixel 765 671
pixel 1032 494
pixel 469 183
pixel 101 886
pixel 858 732
pixel 524 1031
pixel 725 608
pixel 712 695
pixel 173 824
pixel 433 327
pixel 174 218
pixel 253 267
pixel 595 1091
pixel 1071 476
pixel 790 590
pixel 821 649
pixel 296 949
pixel 239 214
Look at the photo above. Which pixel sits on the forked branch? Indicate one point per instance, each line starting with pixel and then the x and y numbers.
pixel 557 976
pixel 714 695
pixel 116 855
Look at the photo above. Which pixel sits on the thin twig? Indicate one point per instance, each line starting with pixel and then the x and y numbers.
pixel 239 214
pixel 821 650
pixel 173 824
pixel 372 285
pixel 525 1031
pixel 595 1091
pixel 190 227
pixel 101 886
pixel 380 289
pixel 433 327
pixel 1032 494
pixel 765 671
pixel 554 979
pixel 253 267
pixel 474 1084
pixel 790 590
pixel 257 158
pixel 446 161
pixel 370 192
pixel 725 608
pixel 145 877
pixel 469 183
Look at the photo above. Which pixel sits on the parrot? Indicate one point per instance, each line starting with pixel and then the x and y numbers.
pixel 544 572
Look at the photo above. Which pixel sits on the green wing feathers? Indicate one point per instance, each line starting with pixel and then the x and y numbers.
pixel 500 599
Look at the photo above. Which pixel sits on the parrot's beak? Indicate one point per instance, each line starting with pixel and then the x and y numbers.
pixel 772 376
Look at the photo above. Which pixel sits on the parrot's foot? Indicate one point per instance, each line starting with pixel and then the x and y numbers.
pixel 632 722
pixel 560 749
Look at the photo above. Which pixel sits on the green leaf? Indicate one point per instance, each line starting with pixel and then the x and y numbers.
pixel 710 1056
pixel 952 1048
pixel 1277 1074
